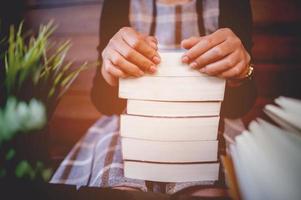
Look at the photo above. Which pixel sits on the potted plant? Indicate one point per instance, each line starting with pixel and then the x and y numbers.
pixel 36 77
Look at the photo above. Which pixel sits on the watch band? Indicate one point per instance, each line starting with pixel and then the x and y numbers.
pixel 250 72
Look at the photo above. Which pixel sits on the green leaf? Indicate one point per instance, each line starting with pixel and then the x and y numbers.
pixel 10 154
pixel 39 63
pixel 24 169
pixel 46 174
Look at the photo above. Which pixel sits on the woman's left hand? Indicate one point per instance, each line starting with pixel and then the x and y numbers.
pixel 219 54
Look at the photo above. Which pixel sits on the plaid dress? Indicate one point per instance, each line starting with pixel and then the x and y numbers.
pixel 96 159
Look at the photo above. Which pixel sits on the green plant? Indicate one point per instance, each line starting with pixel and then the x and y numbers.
pixel 38 69
pixel 17 118
pixel 36 77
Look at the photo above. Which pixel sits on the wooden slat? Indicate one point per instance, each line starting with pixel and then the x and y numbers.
pixel 275 11
pixel 76 107
pixel 59 3
pixel 72 118
pixel 83 47
pixel 83 84
pixel 271 48
pixel 64 133
pixel 83 19
pixel 277 17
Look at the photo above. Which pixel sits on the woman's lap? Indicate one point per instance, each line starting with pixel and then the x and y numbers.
pixel 96 160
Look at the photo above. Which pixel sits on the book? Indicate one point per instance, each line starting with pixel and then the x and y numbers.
pixel 171 172
pixel 286 114
pixel 267 158
pixel 169 128
pixel 169 131
pixel 289 104
pixel 171 66
pixel 173 109
pixel 169 152
pixel 172 88
pixel 173 81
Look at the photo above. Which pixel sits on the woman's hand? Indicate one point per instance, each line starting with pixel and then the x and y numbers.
pixel 219 54
pixel 129 53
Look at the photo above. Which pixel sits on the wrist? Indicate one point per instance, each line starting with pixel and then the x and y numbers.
pixel 245 76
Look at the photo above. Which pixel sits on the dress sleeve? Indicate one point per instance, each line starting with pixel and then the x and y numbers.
pixel 103 96
pixel 237 15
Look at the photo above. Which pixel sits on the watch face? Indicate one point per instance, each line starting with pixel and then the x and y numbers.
pixel 250 71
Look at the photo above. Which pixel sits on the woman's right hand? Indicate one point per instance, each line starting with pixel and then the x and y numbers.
pixel 129 53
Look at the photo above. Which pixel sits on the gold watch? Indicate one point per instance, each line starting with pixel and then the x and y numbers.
pixel 250 71
pixel 248 76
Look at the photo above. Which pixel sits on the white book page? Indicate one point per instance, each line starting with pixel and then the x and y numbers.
pixel 290 105
pixel 278 164
pixel 290 118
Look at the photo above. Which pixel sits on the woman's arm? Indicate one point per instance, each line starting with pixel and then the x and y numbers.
pixel 237 15
pixel 123 52
pixel 226 54
pixel 104 96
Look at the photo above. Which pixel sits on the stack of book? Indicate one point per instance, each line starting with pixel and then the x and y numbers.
pixel 169 131
pixel 265 160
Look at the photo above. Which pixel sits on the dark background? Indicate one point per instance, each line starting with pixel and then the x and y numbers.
pixel 276 53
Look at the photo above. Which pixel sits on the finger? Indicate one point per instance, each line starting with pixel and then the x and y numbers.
pixel 190 42
pixel 187 44
pixel 110 79
pixel 212 55
pixel 152 42
pixel 152 38
pixel 138 43
pixel 222 65
pixel 234 72
pixel 133 56
pixel 154 46
pixel 113 70
pixel 146 36
pixel 204 45
pixel 120 62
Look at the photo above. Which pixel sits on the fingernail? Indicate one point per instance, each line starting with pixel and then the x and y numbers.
pixel 156 59
pixel 193 65
pixel 203 70
pixel 152 69
pixel 185 59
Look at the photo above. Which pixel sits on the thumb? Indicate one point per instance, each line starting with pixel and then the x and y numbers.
pixel 190 42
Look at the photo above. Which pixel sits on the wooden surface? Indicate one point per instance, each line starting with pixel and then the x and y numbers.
pixel 277 54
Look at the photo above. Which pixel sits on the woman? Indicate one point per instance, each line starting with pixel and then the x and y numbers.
pixel 217 36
